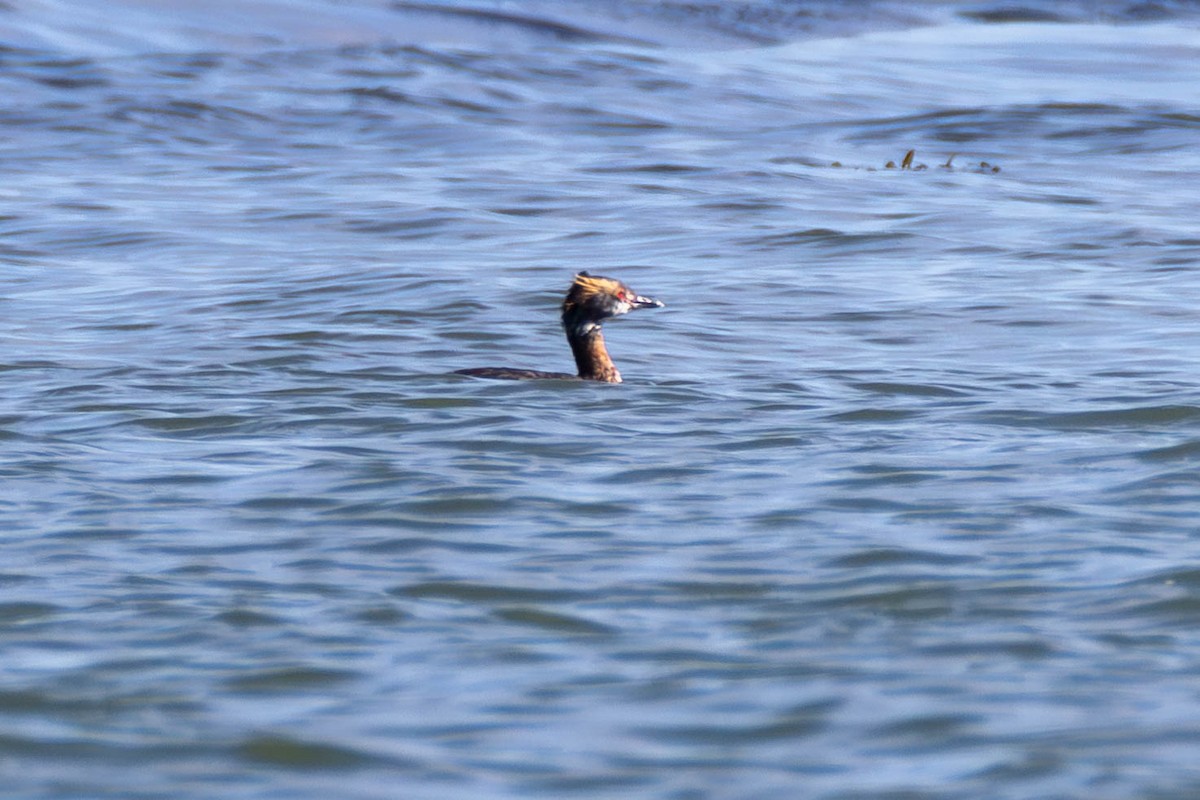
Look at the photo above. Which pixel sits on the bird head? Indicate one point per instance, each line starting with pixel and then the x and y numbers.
pixel 594 298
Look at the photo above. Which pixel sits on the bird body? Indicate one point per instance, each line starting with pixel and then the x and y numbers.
pixel 590 300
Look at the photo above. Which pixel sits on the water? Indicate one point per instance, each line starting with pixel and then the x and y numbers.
pixel 898 498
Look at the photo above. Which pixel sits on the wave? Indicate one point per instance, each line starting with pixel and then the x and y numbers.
pixel 128 27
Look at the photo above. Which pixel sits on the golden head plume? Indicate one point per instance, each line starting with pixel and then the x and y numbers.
pixel 586 285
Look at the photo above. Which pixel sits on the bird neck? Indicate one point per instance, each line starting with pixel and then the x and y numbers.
pixel 591 356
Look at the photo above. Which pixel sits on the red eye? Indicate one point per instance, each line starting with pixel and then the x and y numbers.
pixel 622 295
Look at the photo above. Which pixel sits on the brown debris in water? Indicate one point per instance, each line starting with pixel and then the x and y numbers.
pixel 908 163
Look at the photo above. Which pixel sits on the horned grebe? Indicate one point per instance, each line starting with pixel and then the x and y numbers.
pixel 590 300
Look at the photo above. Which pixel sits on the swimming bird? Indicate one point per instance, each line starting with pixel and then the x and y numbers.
pixel 590 300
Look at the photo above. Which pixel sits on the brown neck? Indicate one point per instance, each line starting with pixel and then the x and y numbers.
pixel 591 357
